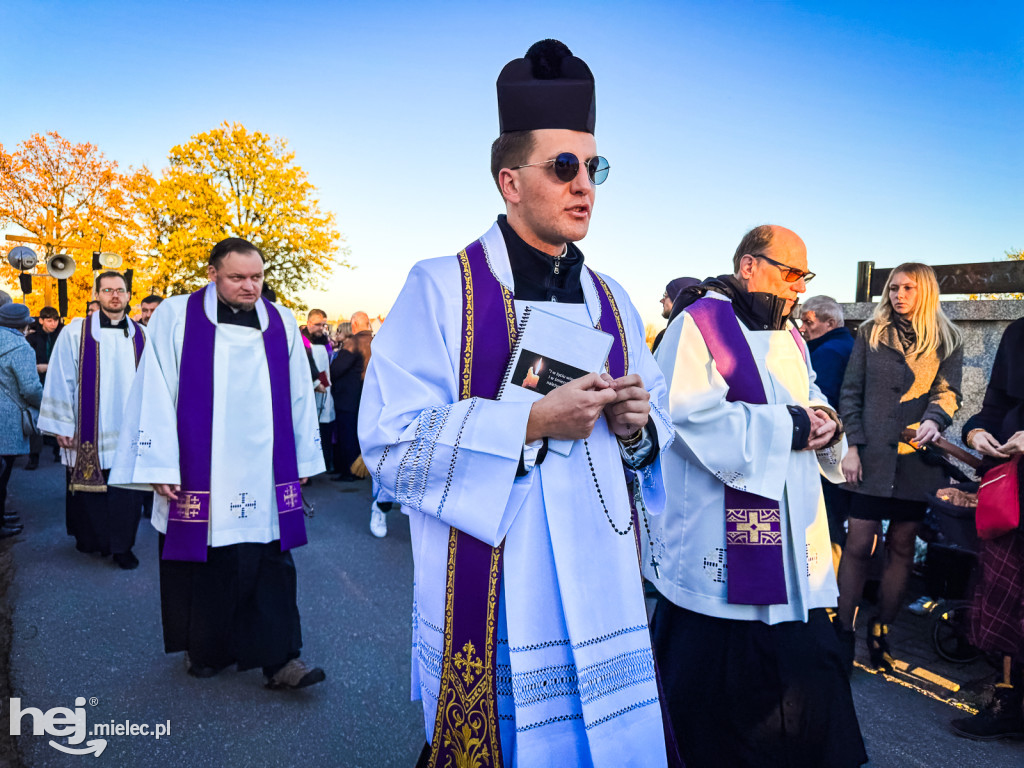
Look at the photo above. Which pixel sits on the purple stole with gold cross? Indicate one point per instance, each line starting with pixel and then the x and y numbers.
pixel 188 520
pixel 466 728
pixel 87 474
pixel 753 524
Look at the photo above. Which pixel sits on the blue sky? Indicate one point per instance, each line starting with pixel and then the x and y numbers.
pixel 881 131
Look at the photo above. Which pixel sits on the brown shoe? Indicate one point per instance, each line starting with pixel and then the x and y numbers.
pixel 295 674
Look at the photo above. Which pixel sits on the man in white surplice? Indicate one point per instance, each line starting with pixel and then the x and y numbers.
pixel 238 607
pixel 315 333
pixel 575 675
pixel 750 682
pixel 100 522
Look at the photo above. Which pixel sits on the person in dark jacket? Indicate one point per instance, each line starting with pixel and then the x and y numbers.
pixel 672 291
pixel 347 371
pixel 41 338
pixel 904 372
pixel 829 343
pixel 997 615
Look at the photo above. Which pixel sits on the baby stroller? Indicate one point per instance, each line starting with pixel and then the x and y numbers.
pixel 953 510
pixel 956 523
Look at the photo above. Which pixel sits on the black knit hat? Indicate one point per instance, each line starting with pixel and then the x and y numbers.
pixel 549 88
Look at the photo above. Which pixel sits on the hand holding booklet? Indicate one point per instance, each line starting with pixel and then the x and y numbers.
pixel 552 351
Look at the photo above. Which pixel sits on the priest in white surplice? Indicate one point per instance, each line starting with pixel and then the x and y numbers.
pixel 751 666
pixel 539 653
pixel 102 519
pixel 317 346
pixel 221 422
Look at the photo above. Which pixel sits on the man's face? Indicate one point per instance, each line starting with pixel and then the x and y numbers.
pixel 49 324
pixel 811 327
pixel 666 306
pixel 316 325
pixel 239 279
pixel 765 277
pixel 553 211
pixel 91 307
pixel 147 311
pixel 112 295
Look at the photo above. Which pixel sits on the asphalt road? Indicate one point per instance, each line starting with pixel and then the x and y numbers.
pixel 84 628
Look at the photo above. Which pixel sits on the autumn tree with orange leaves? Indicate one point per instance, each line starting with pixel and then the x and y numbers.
pixel 232 182
pixel 87 196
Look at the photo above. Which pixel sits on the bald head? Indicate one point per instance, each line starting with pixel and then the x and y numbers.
pixel 359 322
pixel 764 257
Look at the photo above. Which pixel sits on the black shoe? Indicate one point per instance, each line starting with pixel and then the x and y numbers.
pixel 10 530
pixel 11 520
pixel 33 461
pixel 198 670
pixel 847 645
pixel 1001 719
pixel 344 478
pixel 126 560
pixel 878 646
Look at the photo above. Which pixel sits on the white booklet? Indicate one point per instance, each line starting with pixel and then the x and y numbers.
pixel 552 351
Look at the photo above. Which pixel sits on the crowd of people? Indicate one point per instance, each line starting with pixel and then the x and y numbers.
pixel 760 443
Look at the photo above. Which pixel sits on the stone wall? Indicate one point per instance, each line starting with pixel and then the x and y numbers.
pixel 982 323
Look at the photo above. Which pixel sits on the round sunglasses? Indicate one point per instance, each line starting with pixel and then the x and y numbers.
pixel 567 166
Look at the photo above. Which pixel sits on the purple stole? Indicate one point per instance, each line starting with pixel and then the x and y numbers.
pixel 466 728
pixel 188 521
pixel 753 524
pixel 87 474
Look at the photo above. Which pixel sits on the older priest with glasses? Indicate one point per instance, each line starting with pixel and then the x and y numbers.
pixel 530 634
pixel 751 666
pixel 221 422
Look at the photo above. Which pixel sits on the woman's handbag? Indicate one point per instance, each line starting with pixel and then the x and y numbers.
pixel 999 500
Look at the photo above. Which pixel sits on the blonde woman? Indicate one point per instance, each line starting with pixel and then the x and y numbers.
pixel 904 372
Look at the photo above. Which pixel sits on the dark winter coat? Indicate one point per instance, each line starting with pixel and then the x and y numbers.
pixel 830 354
pixel 885 391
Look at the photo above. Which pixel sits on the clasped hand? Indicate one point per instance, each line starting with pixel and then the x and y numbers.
pixel 570 411
pixel 822 430
pixel 985 443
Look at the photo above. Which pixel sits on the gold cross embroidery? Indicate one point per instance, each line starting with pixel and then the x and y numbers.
pixel 754 527
pixel 470 666
pixel 189 506
pixel 290 497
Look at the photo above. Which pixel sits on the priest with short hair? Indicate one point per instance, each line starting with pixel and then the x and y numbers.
pixel 221 422
pixel 88 378
pixel 530 639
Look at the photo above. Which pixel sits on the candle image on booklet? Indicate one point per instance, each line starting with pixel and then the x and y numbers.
pixel 551 351
pixel 542 374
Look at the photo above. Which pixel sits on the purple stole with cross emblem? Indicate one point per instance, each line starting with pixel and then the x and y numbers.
pixel 87 474
pixel 466 728
pixel 188 521
pixel 753 524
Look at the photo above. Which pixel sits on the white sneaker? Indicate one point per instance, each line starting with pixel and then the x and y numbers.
pixel 378 521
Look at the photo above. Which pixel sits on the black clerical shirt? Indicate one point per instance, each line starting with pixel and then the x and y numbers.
pixel 539 276
pixel 243 317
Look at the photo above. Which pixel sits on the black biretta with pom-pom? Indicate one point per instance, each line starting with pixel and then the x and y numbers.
pixel 548 88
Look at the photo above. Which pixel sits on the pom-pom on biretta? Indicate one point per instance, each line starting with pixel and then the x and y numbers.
pixel 546 57
pixel 548 88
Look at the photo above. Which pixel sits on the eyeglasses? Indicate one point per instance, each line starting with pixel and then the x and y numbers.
pixel 789 274
pixel 109 291
pixel 567 166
